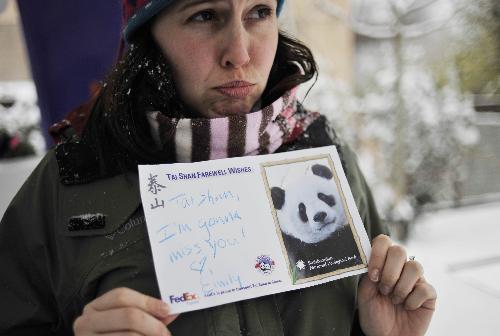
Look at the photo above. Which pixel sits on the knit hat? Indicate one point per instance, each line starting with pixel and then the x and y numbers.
pixel 138 12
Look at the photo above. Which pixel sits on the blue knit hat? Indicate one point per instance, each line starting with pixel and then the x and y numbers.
pixel 138 12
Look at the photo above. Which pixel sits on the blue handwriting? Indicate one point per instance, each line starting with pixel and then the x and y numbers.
pixel 209 223
pixel 210 285
pixel 169 231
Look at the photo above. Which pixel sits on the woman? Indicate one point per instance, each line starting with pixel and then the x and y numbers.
pixel 200 80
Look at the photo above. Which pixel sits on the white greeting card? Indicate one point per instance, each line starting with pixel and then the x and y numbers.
pixel 233 229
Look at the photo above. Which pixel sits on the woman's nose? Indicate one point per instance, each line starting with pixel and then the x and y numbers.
pixel 235 50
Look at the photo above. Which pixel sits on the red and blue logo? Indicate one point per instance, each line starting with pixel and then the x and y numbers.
pixel 265 264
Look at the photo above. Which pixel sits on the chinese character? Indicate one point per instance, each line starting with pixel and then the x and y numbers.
pixel 153 185
pixel 158 204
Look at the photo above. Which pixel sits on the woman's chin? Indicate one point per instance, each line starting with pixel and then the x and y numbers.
pixel 227 109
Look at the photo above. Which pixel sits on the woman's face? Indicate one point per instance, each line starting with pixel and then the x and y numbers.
pixel 221 52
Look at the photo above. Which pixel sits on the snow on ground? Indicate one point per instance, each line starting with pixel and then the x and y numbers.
pixel 460 251
pixel 13 173
pixel 459 248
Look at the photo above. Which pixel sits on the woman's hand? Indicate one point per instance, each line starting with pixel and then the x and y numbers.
pixel 394 299
pixel 124 311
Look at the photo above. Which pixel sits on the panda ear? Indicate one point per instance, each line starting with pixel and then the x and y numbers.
pixel 322 171
pixel 278 196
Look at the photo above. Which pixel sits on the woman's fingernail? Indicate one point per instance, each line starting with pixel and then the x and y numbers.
pixel 385 289
pixel 374 275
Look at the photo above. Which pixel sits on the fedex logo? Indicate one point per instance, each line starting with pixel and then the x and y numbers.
pixel 185 297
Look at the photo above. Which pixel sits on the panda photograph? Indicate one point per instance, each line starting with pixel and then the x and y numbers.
pixel 317 233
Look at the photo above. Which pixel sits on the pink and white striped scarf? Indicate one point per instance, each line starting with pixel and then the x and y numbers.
pixel 260 132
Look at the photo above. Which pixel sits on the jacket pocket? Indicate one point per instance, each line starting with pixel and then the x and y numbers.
pixel 98 208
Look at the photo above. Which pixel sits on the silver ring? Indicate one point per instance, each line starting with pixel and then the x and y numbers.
pixel 411 258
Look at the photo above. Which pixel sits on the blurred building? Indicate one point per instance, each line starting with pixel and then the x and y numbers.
pixel 331 41
pixel 14 64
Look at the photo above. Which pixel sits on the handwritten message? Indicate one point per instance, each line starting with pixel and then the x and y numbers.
pixel 215 234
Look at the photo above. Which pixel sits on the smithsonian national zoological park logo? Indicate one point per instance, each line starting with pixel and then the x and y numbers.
pixel 265 264
pixel 185 297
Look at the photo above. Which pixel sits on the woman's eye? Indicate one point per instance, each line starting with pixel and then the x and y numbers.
pixel 203 16
pixel 260 13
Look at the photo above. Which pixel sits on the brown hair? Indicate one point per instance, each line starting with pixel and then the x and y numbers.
pixel 141 81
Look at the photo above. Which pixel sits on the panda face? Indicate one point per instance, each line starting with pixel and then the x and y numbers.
pixel 320 216
pixel 265 266
pixel 311 209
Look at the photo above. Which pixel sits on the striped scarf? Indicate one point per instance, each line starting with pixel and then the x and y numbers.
pixel 260 132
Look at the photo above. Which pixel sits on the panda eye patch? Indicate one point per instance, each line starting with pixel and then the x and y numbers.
pixel 328 199
pixel 302 212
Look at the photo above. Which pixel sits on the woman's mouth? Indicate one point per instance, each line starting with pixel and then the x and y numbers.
pixel 236 89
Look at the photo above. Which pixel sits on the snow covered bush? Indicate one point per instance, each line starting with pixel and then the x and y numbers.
pixel 19 120
pixel 410 141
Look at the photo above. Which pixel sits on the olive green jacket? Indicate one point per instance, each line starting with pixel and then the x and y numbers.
pixel 50 270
